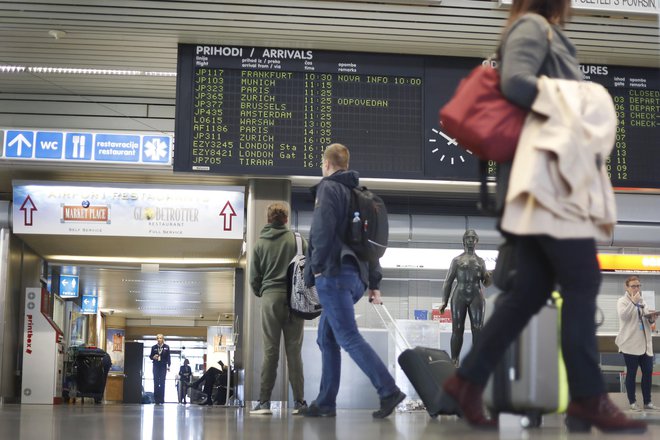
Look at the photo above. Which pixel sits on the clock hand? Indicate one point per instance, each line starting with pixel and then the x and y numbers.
pixel 449 139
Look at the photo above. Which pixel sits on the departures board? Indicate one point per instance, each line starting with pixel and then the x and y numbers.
pixel 270 111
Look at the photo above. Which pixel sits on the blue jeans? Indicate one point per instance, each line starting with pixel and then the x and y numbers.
pixel 337 328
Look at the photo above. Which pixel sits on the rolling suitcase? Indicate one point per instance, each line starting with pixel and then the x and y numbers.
pixel 426 368
pixel 530 380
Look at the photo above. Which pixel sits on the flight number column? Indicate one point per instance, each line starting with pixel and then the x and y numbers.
pixel 210 144
pixel 317 130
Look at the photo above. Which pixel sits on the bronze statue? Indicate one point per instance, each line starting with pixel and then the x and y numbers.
pixel 469 272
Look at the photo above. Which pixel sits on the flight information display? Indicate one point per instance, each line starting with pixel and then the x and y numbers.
pixel 636 94
pixel 270 111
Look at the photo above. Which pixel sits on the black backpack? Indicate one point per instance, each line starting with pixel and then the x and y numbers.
pixel 368 227
pixel 303 301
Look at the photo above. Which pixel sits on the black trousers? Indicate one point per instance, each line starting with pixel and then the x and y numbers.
pixel 542 263
pixel 160 372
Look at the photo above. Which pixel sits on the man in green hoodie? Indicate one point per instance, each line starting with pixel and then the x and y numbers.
pixel 271 256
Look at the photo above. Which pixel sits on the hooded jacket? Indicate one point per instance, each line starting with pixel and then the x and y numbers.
pixel 327 237
pixel 271 256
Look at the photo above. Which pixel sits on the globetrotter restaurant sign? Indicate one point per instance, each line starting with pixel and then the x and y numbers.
pixel 128 210
pixel 630 6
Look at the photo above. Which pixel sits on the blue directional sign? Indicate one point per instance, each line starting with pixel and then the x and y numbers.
pixel 148 149
pixel 90 304
pixel 117 148
pixel 69 286
pixel 78 146
pixel 19 143
pixel 48 145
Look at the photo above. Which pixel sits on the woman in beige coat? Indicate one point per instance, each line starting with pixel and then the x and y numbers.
pixel 634 341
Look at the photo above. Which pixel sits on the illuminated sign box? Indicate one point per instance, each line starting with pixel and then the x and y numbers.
pixel 629 263
pixel 164 211
pixel 620 6
pixel 69 286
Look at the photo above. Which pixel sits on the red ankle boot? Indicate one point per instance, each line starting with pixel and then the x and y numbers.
pixel 467 397
pixel 602 413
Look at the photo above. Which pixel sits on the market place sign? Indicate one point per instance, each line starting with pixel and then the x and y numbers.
pixel 128 210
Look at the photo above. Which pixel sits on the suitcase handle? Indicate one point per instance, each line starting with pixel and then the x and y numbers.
pixel 394 324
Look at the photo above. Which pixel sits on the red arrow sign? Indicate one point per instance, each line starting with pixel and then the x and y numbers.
pixel 227 213
pixel 28 207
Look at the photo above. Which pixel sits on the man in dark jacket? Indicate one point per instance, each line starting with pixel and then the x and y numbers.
pixel 160 355
pixel 341 279
pixel 271 256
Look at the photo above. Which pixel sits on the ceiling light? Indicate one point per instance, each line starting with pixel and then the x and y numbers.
pixel 12 69
pixel 56 34
pixel 159 292
pixel 128 260
pixel 80 71
pixel 167 309
pixel 157 280
pixel 416 258
pixel 169 301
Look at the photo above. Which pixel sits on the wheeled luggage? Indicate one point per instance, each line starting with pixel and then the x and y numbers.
pixel 426 368
pixel 530 379
pixel 91 371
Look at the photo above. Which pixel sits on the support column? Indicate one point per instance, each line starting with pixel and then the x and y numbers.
pixel 261 193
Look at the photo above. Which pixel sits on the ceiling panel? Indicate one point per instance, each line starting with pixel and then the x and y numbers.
pixel 184 294
pixel 143 35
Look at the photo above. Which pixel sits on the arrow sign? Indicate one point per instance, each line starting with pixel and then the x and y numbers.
pixel 225 214
pixel 28 207
pixel 20 140
pixel 68 286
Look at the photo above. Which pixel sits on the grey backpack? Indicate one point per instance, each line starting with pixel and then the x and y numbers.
pixel 303 301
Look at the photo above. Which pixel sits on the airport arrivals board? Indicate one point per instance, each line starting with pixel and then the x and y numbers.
pixel 271 111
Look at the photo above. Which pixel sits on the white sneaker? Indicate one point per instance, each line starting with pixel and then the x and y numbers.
pixel 635 407
pixel 651 407
pixel 262 408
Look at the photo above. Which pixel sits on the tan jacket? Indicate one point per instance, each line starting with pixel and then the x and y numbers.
pixel 559 185
pixel 631 338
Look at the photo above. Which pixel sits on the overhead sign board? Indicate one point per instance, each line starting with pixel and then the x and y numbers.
pixel 129 210
pixel 630 6
pixel 87 147
pixel 90 304
pixel 69 286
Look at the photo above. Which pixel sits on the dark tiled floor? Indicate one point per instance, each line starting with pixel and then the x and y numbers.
pixel 172 421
